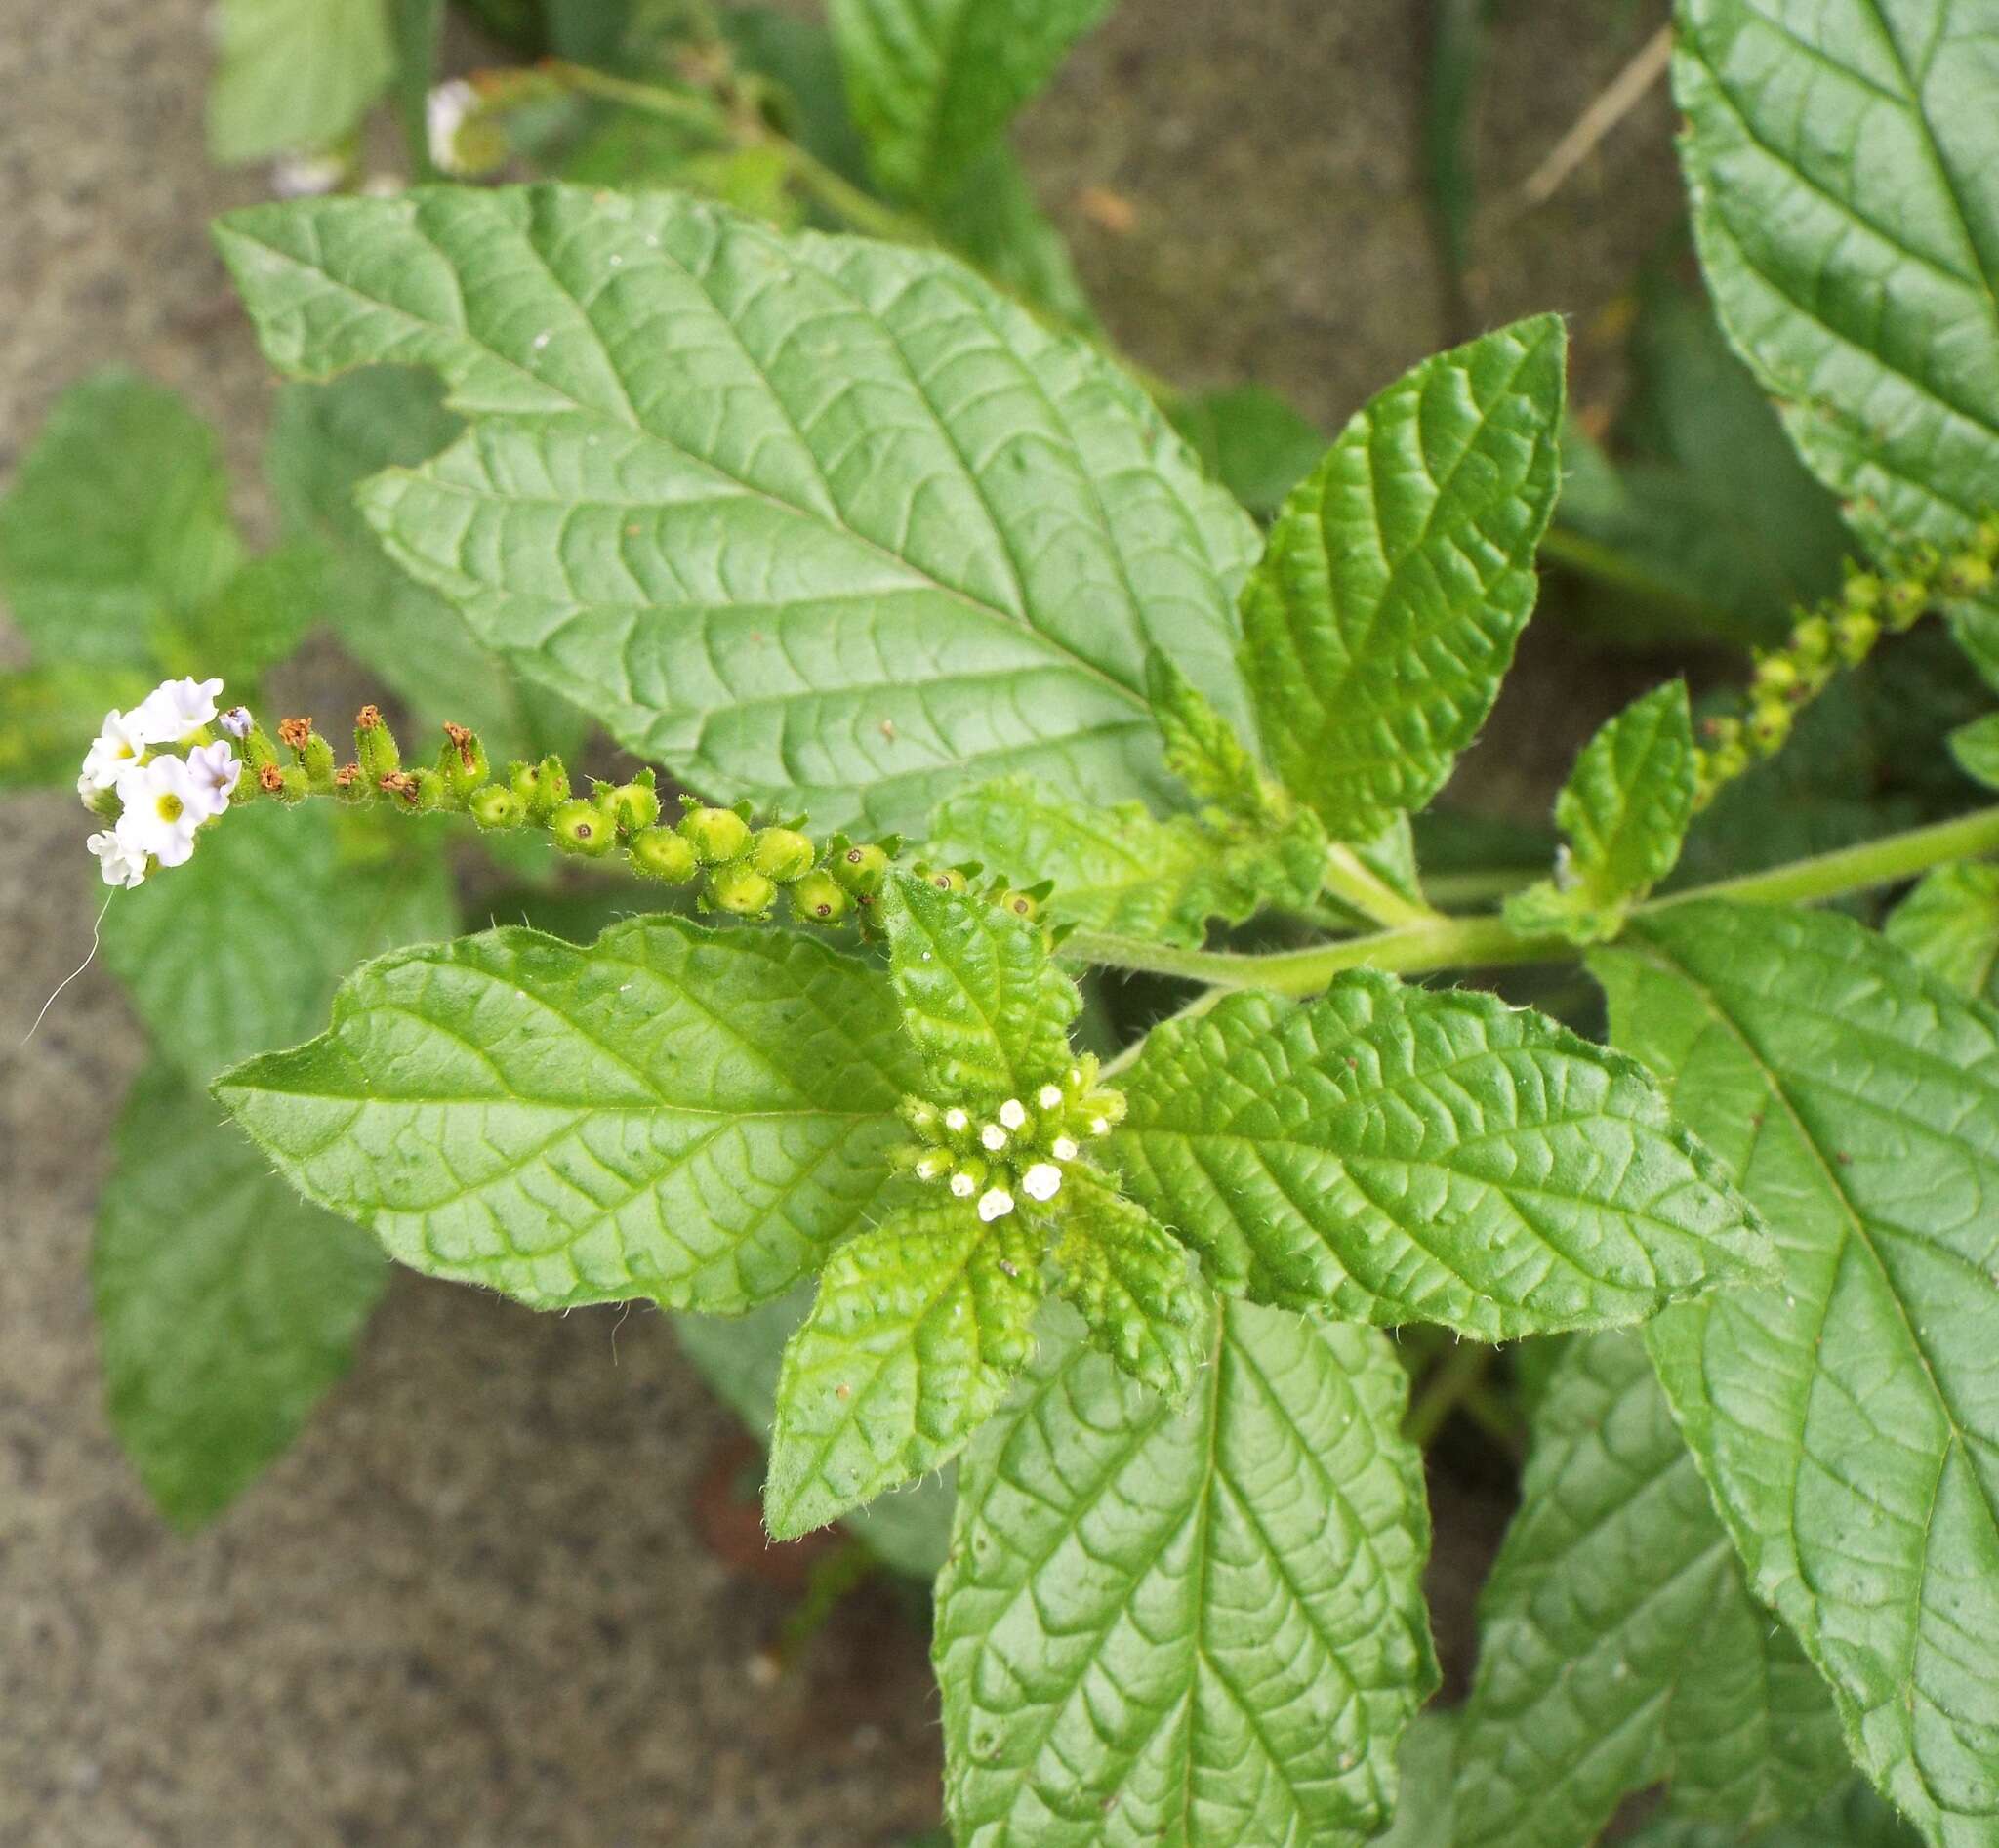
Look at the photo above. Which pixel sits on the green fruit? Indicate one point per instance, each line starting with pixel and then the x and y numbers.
pixel 582 827
pixel 661 854
pixel 861 869
pixel 632 805
pixel 740 890
pixel 374 746
pixel 818 898
pixel 716 835
pixel 946 878
pixel 783 855
pixel 542 788
pixel 496 806
pixel 1019 904
pixel 462 762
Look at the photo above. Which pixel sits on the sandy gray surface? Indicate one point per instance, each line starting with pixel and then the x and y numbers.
pixel 472 1606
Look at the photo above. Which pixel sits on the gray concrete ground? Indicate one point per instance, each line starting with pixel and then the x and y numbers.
pixel 473 1604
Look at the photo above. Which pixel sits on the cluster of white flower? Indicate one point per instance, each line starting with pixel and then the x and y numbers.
pixel 1018 1150
pixel 162 797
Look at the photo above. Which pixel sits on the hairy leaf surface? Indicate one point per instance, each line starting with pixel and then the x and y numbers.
pixel 932 82
pixel 1849 1422
pixel 1951 924
pixel 1619 1642
pixel 917 1326
pixel 225 1304
pixel 1121 870
pixel 1185 1628
pixel 1844 160
pixel 1142 1300
pixel 1395 1154
pixel 1399 574
pixel 810 520
pixel 687 1115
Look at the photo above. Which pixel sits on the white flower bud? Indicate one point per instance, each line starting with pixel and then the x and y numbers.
pixel 993 1138
pixel 1048 1096
pixel 1100 1125
pixel 1065 1149
pixel 955 1121
pixel 995 1203
pixel 1042 1182
pixel 236 721
pixel 962 1185
pixel 929 1166
pixel 1013 1114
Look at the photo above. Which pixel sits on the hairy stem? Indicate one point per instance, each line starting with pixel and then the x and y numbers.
pixel 1350 881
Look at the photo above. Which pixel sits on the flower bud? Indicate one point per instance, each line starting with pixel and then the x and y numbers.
pixel 632 807
pixel 968 1176
pixel 542 788
pixel 1770 725
pixel 496 806
pixel 1904 601
pixel 374 746
pixel 783 855
pixel 1863 591
pixel 1855 637
pixel 818 898
pixel 1968 575
pixel 1777 672
pixel 716 835
pixel 861 869
pixel 461 762
pixel 661 854
pixel 740 890
pixel 1812 641
pixel 582 827
pixel 922 1117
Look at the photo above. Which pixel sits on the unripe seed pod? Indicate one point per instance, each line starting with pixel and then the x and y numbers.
pixel 374 746
pixel 496 806
pixel 1776 671
pixel 349 785
pixel 946 878
pixel 662 854
pixel 740 890
pixel 783 855
pixel 462 762
pixel 1769 726
pixel 582 827
pixel 1812 641
pixel 922 1117
pixel 1967 575
pixel 1019 904
pixel 431 791
pixel 293 787
pixel 1863 591
pixel 542 788
pixel 632 807
pixel 861 869
pixel 1730 762
pixel 259 753
pixel 716 835
pixel 1855 637
pixel 316 761
pixel 1904 601
pixel 1987 540
pixel 818 898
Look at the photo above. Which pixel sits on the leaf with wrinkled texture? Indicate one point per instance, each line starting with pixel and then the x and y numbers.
pixel 1855 1818
pixel 1118 870
pixel 1399 574
pixel 1140 1300
pixel 1951 924
pixel 1188 1627
pixel 1624 812
pixel 1849 1422
pixel 1391 1154
pixel 917 1326
pixel 933 82
pixel 814 520
pixel 1975 746
pixel 118 523
pixel 225 1305
pixel 690 1116
pixel 296 74
pixel 240 949
pixel 995 223
pixel 1619 1642
pixel 1843 161
pixel 987 1008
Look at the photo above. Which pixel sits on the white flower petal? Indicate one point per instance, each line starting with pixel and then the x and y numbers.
pixel 1042 1182
pixel 119 863
pixel 995 1203
pixel 1013 1114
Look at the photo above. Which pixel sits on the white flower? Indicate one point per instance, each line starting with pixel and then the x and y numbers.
pixel 115 749
pixel 122 863
pixel 955 1120
pixel 1048 1096
pixel 931 1165
pixel 963 1185
pixel 214 770
pixel 236 721
pixel 1063 1148
pixel 163 806
pixel 306 176
pixel 88 790
pixel 995 1203
pixel 993 1138
pixel 1042 1182
pixel 174 708
pixel 444 114
pixel 1013 1114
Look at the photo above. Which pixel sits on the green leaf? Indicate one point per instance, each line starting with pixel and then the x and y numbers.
pixel 1843 161
pixel 225 1306
pixel 1392 1154
pixel 917 1326
pixel 1847 1425
pixel 1141 1301
pixel 1251 441
pixel 812 521
pixel 241 948
pixel 1951 924
pixel 1201 748
pixel 674 1113
pixel 987 1008
pixel 1855 1818
pixel 994 222
pixel 933 82
pixel 416 28
pixel 48 716
pixel 117 524
pixel 1619 1642
pixel 742 1356
pixel 253 622
pixel 1975 746
pixel 1399 575
pixel 1425 1806
pixel 1188 1627
pixel 1120 870
pixel 324 442
pixel 296 74
pixel 1624 812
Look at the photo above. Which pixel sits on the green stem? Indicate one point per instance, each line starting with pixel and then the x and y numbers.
pixel 1354 883
pixel 1442 1391
pixel 1490 943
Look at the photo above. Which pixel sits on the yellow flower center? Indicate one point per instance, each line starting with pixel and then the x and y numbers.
pixel 170 806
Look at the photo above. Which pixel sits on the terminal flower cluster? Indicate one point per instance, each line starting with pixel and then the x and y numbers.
pixel 156 775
